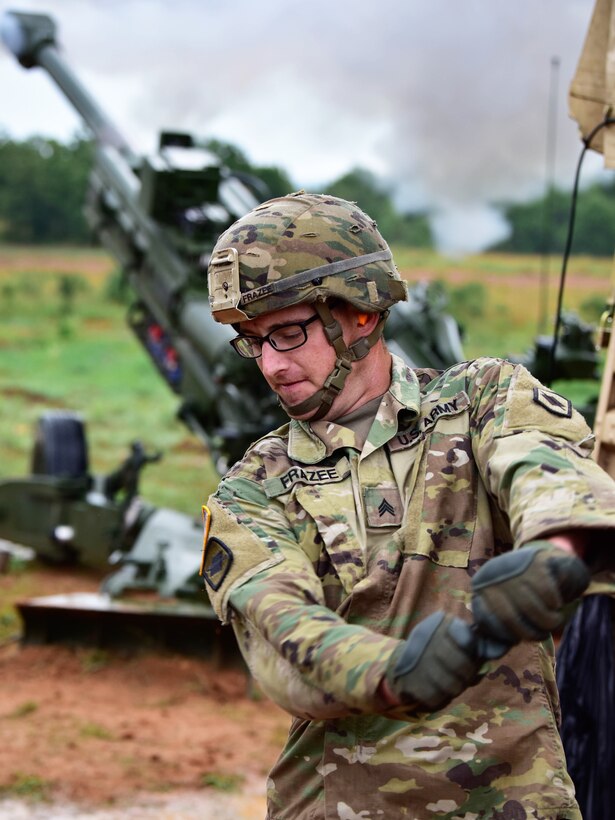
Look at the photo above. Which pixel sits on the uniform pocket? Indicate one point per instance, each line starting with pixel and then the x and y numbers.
pixel 441 516
pixel 332 508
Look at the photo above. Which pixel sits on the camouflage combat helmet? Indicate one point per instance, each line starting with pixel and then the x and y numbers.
pixel 301 248
pixel 306 248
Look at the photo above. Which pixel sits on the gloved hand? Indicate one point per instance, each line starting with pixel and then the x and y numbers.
pixel 438 660
pixel 521 595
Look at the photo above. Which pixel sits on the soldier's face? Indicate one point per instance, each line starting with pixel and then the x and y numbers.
pixel 296 374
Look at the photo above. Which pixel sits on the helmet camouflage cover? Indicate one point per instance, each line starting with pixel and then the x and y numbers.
pixel 301 248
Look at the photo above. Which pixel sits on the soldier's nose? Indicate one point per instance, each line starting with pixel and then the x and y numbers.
pixel 272 362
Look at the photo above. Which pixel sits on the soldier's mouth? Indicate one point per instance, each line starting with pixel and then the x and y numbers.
pixel 290 389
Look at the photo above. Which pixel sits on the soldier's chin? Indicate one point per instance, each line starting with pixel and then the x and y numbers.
pixel 293 412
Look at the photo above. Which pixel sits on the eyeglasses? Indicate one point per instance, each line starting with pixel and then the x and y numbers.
pixel 285 337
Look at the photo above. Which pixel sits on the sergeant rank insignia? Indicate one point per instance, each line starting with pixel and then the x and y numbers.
pixel 553 402
pixel 216 559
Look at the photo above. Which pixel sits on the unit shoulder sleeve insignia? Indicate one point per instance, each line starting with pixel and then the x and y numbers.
pixel 523 405
pixel 216 558
pixel 553 402
pixel 217 561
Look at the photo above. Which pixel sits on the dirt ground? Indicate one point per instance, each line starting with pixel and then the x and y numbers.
pixel 98 734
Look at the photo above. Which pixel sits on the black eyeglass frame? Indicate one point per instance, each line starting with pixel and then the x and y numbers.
pixel 268 338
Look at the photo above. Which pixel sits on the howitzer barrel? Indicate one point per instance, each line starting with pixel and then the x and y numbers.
pixel 32 39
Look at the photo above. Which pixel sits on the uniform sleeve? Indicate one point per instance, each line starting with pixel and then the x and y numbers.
pixel 533 450
pixel 304 656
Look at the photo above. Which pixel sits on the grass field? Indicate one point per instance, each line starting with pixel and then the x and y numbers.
pixel 64 344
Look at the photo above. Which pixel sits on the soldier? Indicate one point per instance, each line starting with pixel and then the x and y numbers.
pixel 394 558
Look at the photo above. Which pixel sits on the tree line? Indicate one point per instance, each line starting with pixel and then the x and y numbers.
pixel 541 226
pixel 43 185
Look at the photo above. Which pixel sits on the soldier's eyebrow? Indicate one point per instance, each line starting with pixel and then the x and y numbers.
pixel 277 326
pixel 292 322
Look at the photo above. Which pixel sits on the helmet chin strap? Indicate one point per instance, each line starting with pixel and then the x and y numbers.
pixel 345 356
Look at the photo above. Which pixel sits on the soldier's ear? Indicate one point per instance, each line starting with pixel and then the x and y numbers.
pixel 366 322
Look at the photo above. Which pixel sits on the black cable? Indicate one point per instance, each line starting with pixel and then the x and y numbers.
pixel 571 219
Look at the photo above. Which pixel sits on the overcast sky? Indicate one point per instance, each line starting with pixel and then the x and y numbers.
pixel 446 100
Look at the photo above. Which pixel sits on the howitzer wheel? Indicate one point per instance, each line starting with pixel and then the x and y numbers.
pixel 60 446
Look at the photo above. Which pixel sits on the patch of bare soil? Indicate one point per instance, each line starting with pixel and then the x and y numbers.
pixel 521 280
pixel 89 262
pixel 87 733
pixel 32 396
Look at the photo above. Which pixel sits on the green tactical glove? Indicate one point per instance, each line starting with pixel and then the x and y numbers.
pixel 521 595
pixel 437 662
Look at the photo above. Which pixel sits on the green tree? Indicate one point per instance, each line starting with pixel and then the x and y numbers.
pixel 594 231
pixel 414 230
pixel 362 187
pixel 372 196
pixel 42 189
pixel 542 224
pixel 266 180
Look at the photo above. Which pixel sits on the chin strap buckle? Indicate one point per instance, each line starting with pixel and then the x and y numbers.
pixel 337 377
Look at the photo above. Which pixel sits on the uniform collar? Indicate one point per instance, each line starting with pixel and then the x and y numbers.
pixel 309 442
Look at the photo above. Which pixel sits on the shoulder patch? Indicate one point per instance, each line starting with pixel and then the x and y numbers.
pixel 523 404
pixel 217 561
pixel 553 402
pixel 226 568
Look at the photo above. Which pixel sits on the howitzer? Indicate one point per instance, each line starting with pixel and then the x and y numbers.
pixel 159 217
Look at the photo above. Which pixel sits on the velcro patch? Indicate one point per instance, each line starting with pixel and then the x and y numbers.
pixel 217 561
pixel 528 405
pixel 553 402
pixel 383 506
pixel 406 438
pixel 430 413
pixel 306 475
pixel 250 554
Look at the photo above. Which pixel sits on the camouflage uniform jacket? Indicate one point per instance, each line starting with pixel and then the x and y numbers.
pixel 324 558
